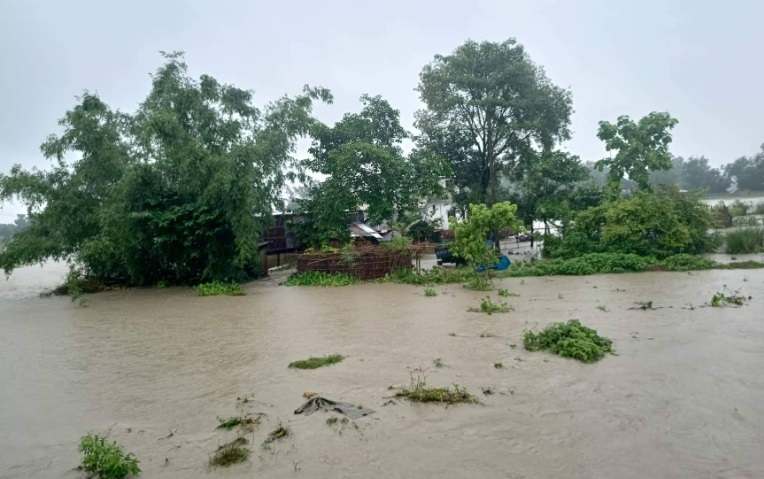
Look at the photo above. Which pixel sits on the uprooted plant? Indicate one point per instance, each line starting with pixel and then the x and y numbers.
pixel 246 422
pixel 728 298
pixel 313 363
pixel 489 307
pixel 230 453
pixel 418 391
pixel 106 460
pixel 277 434
pixel 571 339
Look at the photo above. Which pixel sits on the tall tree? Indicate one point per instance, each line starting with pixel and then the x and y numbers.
pixel 364 166
pixel 697 174
pixel 488 106
pixel 640 148
pixel 178 191
pixel 748 170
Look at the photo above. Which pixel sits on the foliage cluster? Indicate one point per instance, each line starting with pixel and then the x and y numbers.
pixel 434 275
pixel 656 224
pixel 313 363
pixel 106 460
pixel 430 293
pixel 489 307
pixel 319 278
pixel 745 240
pixel 571 339
pixel 216 288
pixel 728 297
pixel 178 191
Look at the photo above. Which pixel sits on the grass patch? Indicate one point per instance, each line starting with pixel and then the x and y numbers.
pixel 332 421
pixel 602 307
pixel 489 307
pixel 430 293
pixel 106 460
pixel 434 275
pixel 479 282
pixel 745 240
pixel 230 453
pixel 506 293
pixel 217 288
pixel 438 362
pixel 246 422
pixel 318 278
pixel 571 340
pixel 498 365
pixel 313 363
pixel 420 392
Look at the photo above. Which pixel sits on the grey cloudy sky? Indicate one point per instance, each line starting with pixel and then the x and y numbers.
pixel 700 60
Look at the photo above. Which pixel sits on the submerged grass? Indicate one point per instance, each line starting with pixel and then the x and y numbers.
pixel 430 293
pixel 313 363
pixel 217 288
pixel 420 392
pixel 571 339
pixel 230 453
pixel 277 434
pixel 246 422
pixel 318 278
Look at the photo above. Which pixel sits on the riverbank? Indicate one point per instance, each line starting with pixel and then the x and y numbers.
pixel 683 390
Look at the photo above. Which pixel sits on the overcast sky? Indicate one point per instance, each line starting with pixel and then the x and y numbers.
pixel 700 60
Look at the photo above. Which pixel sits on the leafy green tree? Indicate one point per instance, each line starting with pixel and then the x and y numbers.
pixel 364 166
pixel 697 174
pixel 546 185
pixel 470 235
pixel 640 148
pixel 488 106
pixel 178 191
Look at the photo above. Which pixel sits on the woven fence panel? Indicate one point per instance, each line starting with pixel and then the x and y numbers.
pixel 364 264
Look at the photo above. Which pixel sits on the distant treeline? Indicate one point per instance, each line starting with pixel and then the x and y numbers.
pixel 9 229
pixel 744 174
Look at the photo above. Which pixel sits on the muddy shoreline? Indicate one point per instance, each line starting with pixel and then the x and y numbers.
pixel 683 397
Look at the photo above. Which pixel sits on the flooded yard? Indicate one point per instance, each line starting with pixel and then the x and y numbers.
pixel 156 368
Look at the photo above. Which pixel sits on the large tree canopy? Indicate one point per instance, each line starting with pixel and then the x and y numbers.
pixel 177 191
pixel 640 148
pixel 364 167
pixel 487 106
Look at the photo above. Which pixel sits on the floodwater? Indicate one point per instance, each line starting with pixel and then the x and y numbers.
pixel 683 397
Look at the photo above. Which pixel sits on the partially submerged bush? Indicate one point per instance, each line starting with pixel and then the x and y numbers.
pixel 106 460
pixel 489 307
pixel 420 392
pixel 217 288
pixel 313 363
pixel 277 434
pixel 430 293
pixel 656 224
pixel 319 278
pixel 435 275
pixel 688 262
pixel 594 263
pixel 745 240
pixel 727 298
pixel 571 339
pixel 230 453
pixel 739 208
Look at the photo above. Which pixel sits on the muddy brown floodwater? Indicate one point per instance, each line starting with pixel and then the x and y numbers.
pixel 683 397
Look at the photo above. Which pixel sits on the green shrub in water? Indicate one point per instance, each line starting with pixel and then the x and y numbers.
pixel 217 288
pixel 571 340
pixel 745 240
pixel 106 460
pixel 313 363
pixel 318 278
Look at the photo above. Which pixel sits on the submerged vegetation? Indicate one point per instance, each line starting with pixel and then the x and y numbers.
pixel 106 460
pixel 489 307
pixel 420 392
pixel 217 288
pixel 246 422
pixel 313 363
pixel 727 298
pixel 430 293
pixel 571 339
pixel 319 278
pixel 745 240
pixel 230 453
